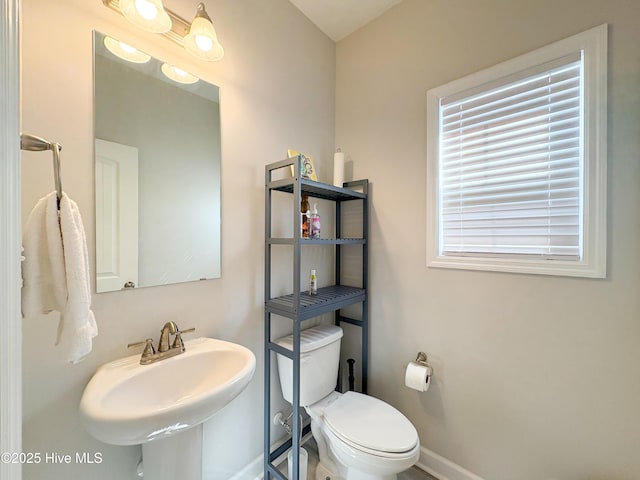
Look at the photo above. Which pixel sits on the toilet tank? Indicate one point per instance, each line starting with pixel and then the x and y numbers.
pixel 319 359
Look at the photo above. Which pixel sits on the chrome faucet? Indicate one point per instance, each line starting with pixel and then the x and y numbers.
pixel 165 348
pixel 163 343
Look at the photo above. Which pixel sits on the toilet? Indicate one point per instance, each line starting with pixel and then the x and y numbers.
pixel 359 437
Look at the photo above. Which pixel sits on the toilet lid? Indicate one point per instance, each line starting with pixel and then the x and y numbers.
pixel 365 421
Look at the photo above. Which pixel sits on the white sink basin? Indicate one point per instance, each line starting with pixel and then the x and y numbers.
pixel 126 403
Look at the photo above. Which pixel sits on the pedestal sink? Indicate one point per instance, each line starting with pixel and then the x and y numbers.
pixel 162 405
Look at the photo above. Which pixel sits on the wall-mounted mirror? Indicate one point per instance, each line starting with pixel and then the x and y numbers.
pixel 157 164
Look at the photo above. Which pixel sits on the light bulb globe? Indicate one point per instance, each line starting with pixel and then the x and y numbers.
pixel 149 15
pixel 202 40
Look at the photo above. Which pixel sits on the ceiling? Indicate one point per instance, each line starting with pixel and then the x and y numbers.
pixel 339 18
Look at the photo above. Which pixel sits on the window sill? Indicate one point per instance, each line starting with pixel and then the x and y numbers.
pixel 565 268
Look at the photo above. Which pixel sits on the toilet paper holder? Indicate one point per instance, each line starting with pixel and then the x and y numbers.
pixel 421 359
pixel 418 373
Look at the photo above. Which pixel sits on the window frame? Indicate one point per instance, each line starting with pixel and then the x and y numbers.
pixel 593 45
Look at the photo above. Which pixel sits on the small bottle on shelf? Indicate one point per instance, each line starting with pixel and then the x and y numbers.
pixel 304 217
pixel 315 222
pixel 313 283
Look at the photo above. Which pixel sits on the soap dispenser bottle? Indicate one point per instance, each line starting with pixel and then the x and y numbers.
pixel 315 222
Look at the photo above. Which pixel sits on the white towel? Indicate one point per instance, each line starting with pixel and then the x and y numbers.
pixel 44 286
pixel 78 312
pixel 56 272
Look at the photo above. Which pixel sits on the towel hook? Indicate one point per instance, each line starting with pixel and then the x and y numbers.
pixel 32 143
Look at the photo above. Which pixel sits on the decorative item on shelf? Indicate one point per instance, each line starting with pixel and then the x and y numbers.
pixel 314 222
pixel 304 217
pixel 199 37
pixel 338 168
pixel 307 168
pixel 313 283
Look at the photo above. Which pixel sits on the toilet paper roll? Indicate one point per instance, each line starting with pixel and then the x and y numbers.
pixel 338 168
pixel 418 376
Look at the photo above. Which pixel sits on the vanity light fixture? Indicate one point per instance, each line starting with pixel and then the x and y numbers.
pixel 124 51
pixel 199 37
pixel 177 74
pixel 149 15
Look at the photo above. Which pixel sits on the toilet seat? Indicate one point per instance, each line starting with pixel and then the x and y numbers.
pixel 370 426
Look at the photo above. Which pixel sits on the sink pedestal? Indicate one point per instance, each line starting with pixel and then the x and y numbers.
pixel 178 456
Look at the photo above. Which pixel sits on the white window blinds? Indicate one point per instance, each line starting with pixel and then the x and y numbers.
pixel 510 165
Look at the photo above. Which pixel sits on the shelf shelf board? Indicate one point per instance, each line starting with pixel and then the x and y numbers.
pixel 317 189
pixel 316 241
pixel 327 300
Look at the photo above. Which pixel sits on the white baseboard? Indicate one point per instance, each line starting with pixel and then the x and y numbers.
pixel 442 468
pixel 253 471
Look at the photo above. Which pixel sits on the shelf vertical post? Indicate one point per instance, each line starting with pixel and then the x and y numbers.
pixel 338 262
pixel 297 252
pixel 365 285
pixel 267 329
pixel 338 247
pixel 267 235
pixel 296 424
pixel 297 222
pixel 267 396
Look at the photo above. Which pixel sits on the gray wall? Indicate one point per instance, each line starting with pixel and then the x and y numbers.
pixel 536 376
pixel 277 83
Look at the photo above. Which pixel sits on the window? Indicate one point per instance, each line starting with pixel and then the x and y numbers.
pixel 516 164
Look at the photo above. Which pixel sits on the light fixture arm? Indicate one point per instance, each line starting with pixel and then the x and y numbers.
pixel 179 26
pixel 202 13
pixel 199 37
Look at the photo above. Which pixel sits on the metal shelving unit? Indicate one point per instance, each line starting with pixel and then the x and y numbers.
pixel 299 305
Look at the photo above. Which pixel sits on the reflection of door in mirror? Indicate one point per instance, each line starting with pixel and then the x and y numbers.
pixel 116 216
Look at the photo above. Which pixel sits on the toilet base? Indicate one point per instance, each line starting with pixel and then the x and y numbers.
pixel 323 473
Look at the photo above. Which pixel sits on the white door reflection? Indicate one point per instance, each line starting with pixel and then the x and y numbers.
pixel 116 216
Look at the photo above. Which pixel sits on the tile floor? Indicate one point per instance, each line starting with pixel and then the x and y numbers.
pixel 413 473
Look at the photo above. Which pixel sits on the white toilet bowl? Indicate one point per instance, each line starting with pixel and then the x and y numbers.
pixel 359 437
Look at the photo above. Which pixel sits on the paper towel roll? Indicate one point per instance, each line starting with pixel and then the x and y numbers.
pixel 418 376
pixel 338 168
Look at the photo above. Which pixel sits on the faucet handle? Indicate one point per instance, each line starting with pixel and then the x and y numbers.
pixel 177 342
pixel 148 351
